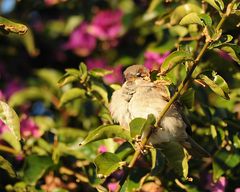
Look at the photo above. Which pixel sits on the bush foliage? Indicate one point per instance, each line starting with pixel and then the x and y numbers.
pixel 60 63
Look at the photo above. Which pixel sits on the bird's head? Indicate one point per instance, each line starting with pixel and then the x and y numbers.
pixel 136 72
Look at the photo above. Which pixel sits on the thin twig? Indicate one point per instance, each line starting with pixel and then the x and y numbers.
pixel 181 87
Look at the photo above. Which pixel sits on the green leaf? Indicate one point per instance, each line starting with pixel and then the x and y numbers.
pixel 107 131
pixel 183 10
pixel 4 164
pixel 232 50
pixel 29 94
pixel 107 163
pixel 188 98
pixel 10 118
pixel 206 19
pixel 35 167
pixel 216 83
pixel 224 39
pixel 10 138
pixel 29 43
pixel 124 150
pixel 70 76
pixel 50 76
pixel 71 95
pixel 177 157
pixel 223 161
pixel 10 26
pixel 100 91
pixel 175 58
pixel 191 18
pixel 83 72
pixel 99 72
pixel 217 4
pixel 137 125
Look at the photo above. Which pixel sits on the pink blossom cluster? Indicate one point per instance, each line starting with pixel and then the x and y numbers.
pixel 106 25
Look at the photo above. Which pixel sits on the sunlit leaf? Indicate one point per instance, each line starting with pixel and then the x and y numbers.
pixel 216 83
pixel 29 43
pixel 191 18
pixel 217 4
pixel 35 167
pixel 206 19
pixel 107 131
pixel 71 94
pixel 175 58
pixel 221 41
pixel 224 160
pixel 10 26
pixel 83 72
pixel 232 50
pixel 100 91
pixel 10 118
pixel 4 164
pixel 137 125
pixel 183 10
pixel 99 72
pixel 10 138
pixel 29 94
pixel 107 163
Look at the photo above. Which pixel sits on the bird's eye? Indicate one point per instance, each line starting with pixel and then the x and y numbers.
pixel 138 74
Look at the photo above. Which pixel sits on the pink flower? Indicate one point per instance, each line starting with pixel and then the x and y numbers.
pixel 51 2
pixel 237 190
pixel 114 77
pixel 112 186
pixel 29 128
pixel 107 25
pixel 81 41
pixel 218 186
pixel 153 61
pixel 102 149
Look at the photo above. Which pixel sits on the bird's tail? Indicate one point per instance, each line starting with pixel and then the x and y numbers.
pixel 194 148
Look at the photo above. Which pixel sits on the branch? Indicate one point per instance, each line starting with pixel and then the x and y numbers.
pixel 181 87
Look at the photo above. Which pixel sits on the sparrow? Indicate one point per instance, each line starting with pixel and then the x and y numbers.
pixel 139 97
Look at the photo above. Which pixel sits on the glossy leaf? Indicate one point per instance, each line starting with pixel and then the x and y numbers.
pixel 71 95
pixel 191 18
pixel 83 72
pixel 99 72
pixel 183 10
pixel 137 125
pixel 29 43
pixel 175 58
pixel 221 41
pixel 10 118
pixel 107 163
pixel 177 157
pixel 232 50
pixel 10 26
pixel 206 19
pixel 70 76
pixel 216 83
pixel 4 164
pixel 105 132
pixel 29 94
pixel 35 167
pixel 10 138
pixel 100 91
pixel 217 4
pixel 224 160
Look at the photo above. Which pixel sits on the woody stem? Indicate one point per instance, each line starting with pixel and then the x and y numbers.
pixel 181 87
